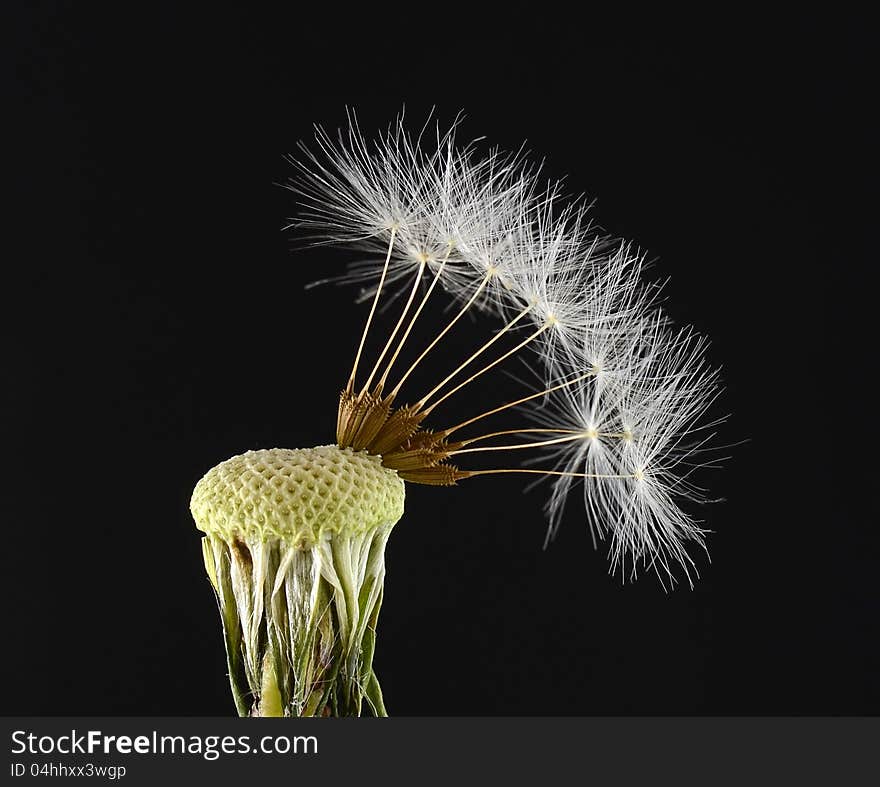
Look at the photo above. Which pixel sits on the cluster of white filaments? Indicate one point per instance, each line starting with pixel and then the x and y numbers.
pixel 620 394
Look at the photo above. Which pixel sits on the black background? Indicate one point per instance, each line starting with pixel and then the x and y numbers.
pixel 155 323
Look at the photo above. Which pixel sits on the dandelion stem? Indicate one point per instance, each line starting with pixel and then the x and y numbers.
pixel 357 357
pixel 415 316
pixel 442 333
pixel 482 371
pixel 471 473
pixel 500 408
pixel 479 352
pixel 412 295
pixel 513 447
pixel 576 433
pixel 516 431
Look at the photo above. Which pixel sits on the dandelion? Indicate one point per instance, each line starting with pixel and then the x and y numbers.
pixel 295 538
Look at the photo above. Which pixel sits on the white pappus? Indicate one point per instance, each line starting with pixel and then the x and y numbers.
pixel 622 394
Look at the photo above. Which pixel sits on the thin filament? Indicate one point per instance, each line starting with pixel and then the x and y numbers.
pixel 527 430
pixel 485 369
pixel 470 473
pixel 409 301
pixel 479 352
pixel 514 447
pixel 415 316
pixel 357 357
pixel 500 408
pixel 442 333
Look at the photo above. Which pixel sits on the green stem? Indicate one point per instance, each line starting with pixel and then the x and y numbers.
pixel 300 623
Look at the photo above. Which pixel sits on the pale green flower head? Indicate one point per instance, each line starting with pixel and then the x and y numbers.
pixel 299 495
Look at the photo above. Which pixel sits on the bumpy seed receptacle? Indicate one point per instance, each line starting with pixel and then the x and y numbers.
pixel 295 550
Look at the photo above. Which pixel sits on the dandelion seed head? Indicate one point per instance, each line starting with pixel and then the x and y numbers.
pixel 624 392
